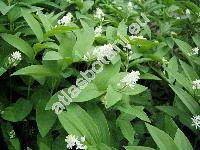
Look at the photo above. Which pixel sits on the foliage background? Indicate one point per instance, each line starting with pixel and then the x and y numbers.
pixel 53 56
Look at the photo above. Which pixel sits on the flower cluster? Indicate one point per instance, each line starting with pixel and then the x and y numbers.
pixel 14 58
pixel 65 20
pixel 130 79
pixel 196 84
pixel 165 61
pixel 104 51
pixel 130 5
pixel 98 31
pixel 99 14
pixel 196 121
pixel 12 134
pixel 72 141
pixel 195 51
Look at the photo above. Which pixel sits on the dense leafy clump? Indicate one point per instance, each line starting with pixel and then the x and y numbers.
pixel 99 75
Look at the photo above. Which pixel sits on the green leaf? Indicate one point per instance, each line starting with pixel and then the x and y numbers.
pixel 18 43
pixel 102 79
pixel 162 139
pixel 35 70
pixel 173 65
pixel 138 148
pixel 52 55
pixel 149 76
pixel 2 70
pixel 181 141
pixel 126 128
pixel 196 39
pixel 44 19
pixel 85 39
pixel 18 111
pixel 112 97
pixel 184 47
pixel 189 71
pixel 187 99
pixel 59 29
pixel 135 111
pixel 100 146
pixel 77 121
pixel 86 6
pixel 34 25
pixel 88 93
pixel 122 29
pixel 45 119
pixel 98 116
pixel 4 9
pixel 135 91
pixel 181 79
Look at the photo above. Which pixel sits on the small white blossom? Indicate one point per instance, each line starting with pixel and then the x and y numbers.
pixel 104 51
pixel 82 139
pixel 16 55
pixel 14 58
pixel 137 37
pixel 65 20
pixel 99 14
pixel 196 84
pixel 196 121
pixel 1 112
pixel 12 134
pixel 72 141
pixel 98 31
pixel 130 5
pixel 195 51
pixel 28 148
pixel 81 146
pixel 128 46
pixel 120 8
pixel 173 33
pixel 165 61
pixel 187 12
pixel 130 79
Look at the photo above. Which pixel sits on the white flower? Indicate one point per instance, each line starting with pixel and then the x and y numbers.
pixel 14 58
pixel 104 51
pixel 130 79
pixel 165 61
pixel 82 139
pixel 98 31
pixel 187 11
pixel 196 84
pixel 120 8
pixel 196 121
pixel 28 148
pixel 128 46
pixel 99 14
pixel 130 5
pixel 195 51
pixel 72 141
pixel 16 55
pixel 81 146
pixel 1 112
pixel 137 37
pixel 65 20
pixel 173 33
pixel 12 134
